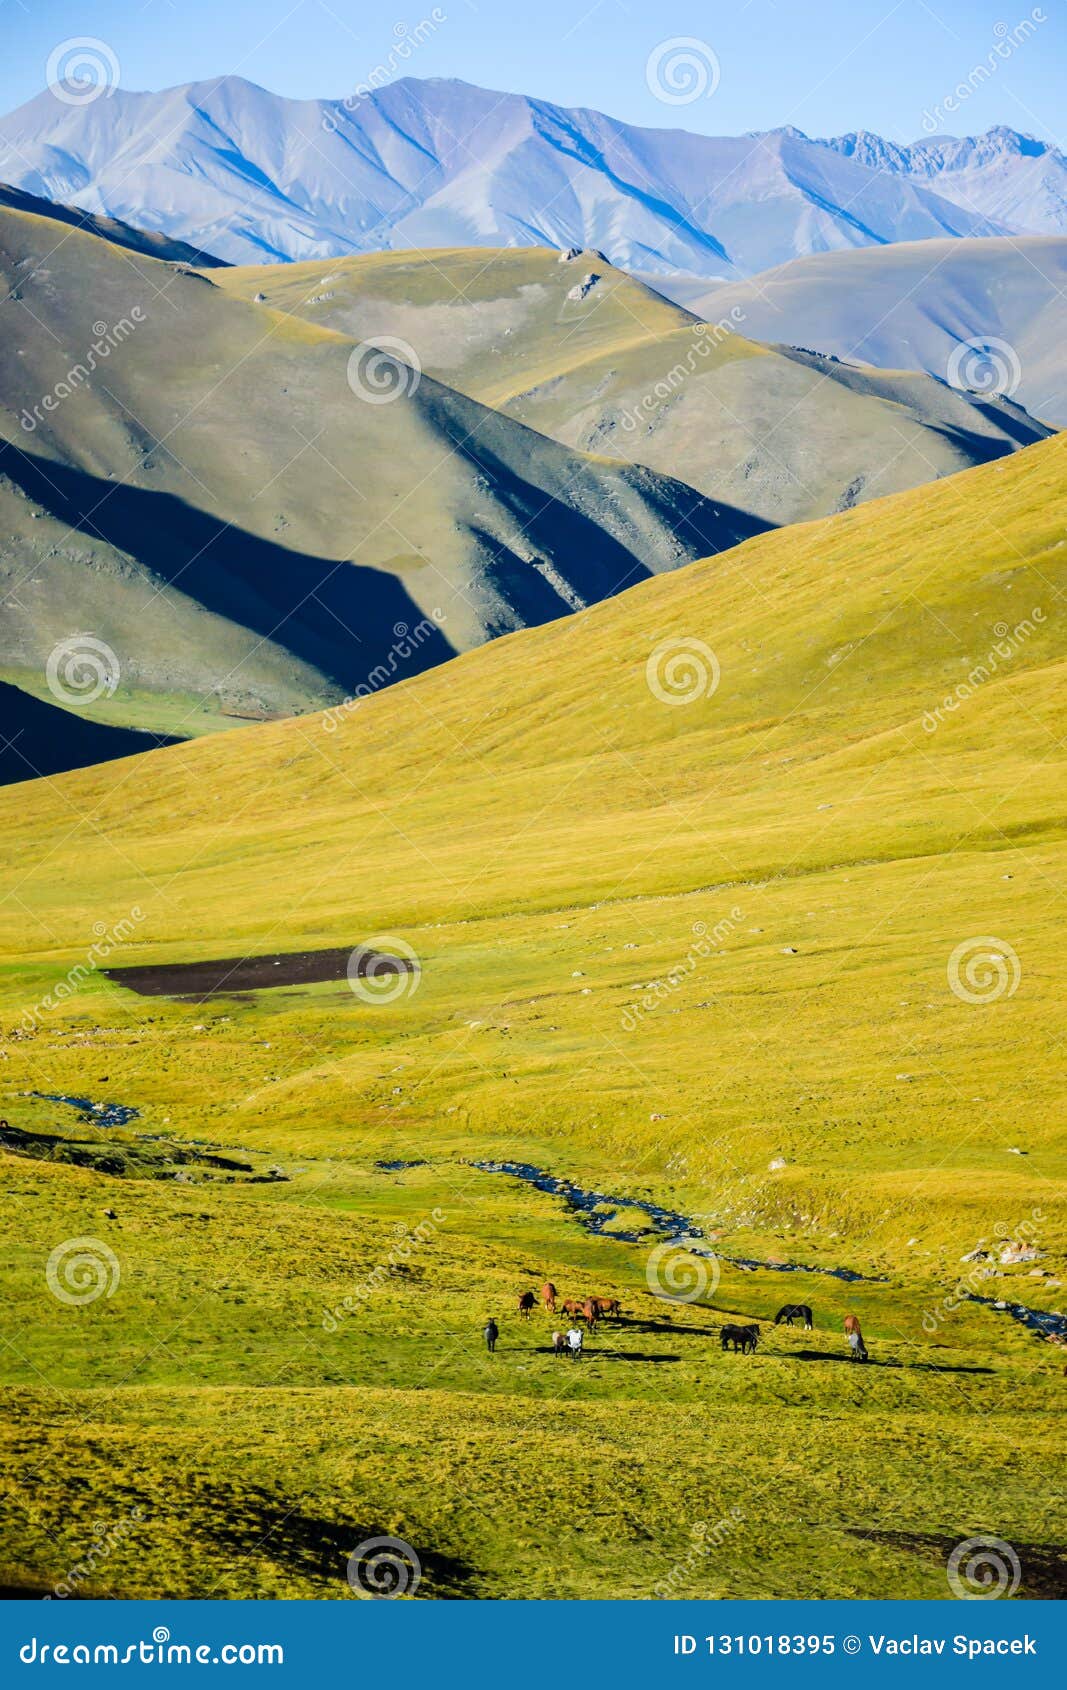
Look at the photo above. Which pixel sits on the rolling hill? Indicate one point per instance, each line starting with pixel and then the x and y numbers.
pixel 151 243
pixel 253 177
pixel 737 894
pixel 218 492
pixel 586 354
pixel 911 306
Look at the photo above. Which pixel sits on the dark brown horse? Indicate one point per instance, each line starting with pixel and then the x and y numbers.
pixel 526 1303
pixel 743 1338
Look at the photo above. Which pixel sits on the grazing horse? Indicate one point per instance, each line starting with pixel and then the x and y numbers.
pixel 608 1306
pixel 574 1310
pixel 526 1303
pixel 743 1338
pixel 591 1313
pixel 857 1348
pixel 794 1311
pixel 548 1296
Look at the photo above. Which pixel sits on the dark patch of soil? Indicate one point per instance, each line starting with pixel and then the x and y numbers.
pixel 199 980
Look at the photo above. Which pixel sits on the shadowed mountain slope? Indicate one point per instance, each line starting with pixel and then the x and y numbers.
pixel 259 517
pixel 586 354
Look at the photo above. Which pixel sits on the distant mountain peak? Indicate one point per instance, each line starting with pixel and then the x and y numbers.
pixel 228 167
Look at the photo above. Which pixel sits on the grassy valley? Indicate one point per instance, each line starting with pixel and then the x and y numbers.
pixel 736 895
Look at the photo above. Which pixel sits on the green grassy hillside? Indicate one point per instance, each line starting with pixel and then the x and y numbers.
pixel 783 958
pixel 619 370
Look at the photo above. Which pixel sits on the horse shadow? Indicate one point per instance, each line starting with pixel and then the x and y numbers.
pixel 910 1367
pixel 1043 1566
pixel 669 1328
pixel 630 1355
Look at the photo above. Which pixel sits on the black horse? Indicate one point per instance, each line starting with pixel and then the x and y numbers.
pixel 794 1311
pixel 743 1338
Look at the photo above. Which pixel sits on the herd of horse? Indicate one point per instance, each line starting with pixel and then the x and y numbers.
pixel 592 1310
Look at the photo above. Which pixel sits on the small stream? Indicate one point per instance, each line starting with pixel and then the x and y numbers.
pixel 668 1222
pixel 100 1114
pixel 1041 1321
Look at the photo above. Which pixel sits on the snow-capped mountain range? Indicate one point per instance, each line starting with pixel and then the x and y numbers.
pixel 253 178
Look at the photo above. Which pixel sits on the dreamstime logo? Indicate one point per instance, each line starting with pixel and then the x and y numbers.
pixel 384 969
pixel 1009 642
pixel 406 40
pixel 384 1568
pixel 704 945
pixel 105 941
pixel 983 1568
pixel 107 338
pixel 81 669
pixel 409 1240
pixel 673 1272
pixel 989 367
pixel 706 1536
pixel 82 69
pixel 406 643
pixel 706 337
pixel 107 1537
pixel 1005 43
pixel 682 70
pixel 681 671
pixel 80 1270
pixel 1012 1244
pixel 385 369
pixel 983 970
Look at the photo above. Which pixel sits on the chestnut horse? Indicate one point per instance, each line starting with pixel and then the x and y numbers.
pixel 857 1348
pixel 591 1312
pixel 548 1296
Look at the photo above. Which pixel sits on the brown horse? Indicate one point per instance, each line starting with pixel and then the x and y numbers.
pixel 548 1296
pixel 559 1344
pixel 608 1306
pixel 526 1303
pixel 852 1324
pixel 573 1309
pixel 591 1312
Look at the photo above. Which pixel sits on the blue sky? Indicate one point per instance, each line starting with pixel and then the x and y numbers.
pixel 826 67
